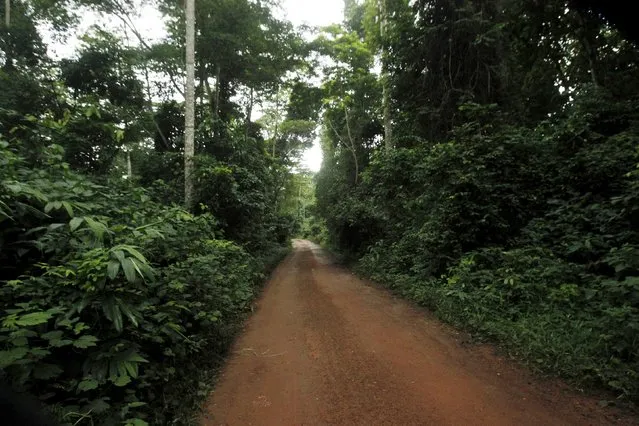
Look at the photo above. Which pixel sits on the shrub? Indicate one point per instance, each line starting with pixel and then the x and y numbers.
pixel 110 298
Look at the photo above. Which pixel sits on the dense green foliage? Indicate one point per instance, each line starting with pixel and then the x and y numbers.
pixel 509 204
pixel 113 298
pixel 116 303
pixel 480 158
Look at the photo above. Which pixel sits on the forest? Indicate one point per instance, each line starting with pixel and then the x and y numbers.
pixel 480 159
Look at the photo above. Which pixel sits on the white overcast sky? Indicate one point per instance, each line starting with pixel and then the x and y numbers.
pixel 149 23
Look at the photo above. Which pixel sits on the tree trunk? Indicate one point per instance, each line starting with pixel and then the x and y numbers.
pixel 388 129
pixel 189 113
pixel 129 168
pixel 8 63
pixel 352 142
pixel 249 112
pixel 201 92
pixel 216 106
pixel 588 41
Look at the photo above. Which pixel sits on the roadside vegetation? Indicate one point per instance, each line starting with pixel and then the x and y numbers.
pixel 480 159
pixel 488 170
pixel 116 301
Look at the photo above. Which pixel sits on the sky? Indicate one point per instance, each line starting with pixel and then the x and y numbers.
pixel 149 23
pixel 315 13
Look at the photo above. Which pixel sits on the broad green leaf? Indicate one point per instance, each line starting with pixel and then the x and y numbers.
pixel 129 270
pixel 135 422
pixel 133 356
pixel 121 380
pixel 131 369
pixel 128 311
pixel 85 341
pixel 87 384
pixel 12 355
pixel 75 223
pixel 135 253
pixel 52 335
pixel 54 226
pixel 113 268
pixel 98 228
pixel 97 406
pixel 68 207
pixel 55 339
pixel 34 318
pixel 136 404
pixel 46 371
pixel 112 312
pixel 20 341
pixel 58 343
pixel 137 268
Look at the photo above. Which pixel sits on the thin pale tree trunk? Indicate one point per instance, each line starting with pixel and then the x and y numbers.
pixel 218 73
pixel 353 150
pixel 7 21
pixel 388 128
pixel 189 113
pixel 249 113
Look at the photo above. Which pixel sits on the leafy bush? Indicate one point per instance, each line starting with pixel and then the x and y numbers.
pixel 110 298
pixel 527 236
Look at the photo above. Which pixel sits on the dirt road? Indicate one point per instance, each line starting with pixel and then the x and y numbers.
pixel 325 348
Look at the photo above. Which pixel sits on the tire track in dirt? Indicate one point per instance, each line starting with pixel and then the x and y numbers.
pixel 325 348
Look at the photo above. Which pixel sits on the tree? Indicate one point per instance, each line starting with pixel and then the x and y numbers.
pixel 189 115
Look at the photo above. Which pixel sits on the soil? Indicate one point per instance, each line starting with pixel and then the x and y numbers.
pixel 327 348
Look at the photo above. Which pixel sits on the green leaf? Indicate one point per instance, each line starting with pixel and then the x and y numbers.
pixel 12 355
pixel 54 226
pixel 34 318
pixel 98 228
pixel 60 343
pixel 135 422
pixel 68 207
pixel 113 268
pixel 129 312
pixel 112 312
pixel 136 404
pixel 55 339
pixel 20 341
pixel 46 371
pixel 87 385
pixel 52 335
pixel 75 223
pixel 97 406
pixel 129 270
pixel 131 368
pixel 85 341
pixel 121 380
pixel 133 252
pixel 134 357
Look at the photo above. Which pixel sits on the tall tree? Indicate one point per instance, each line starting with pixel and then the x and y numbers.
pixel 388 130
pixel 189 114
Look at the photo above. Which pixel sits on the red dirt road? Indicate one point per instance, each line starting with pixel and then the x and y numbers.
pixel 325 348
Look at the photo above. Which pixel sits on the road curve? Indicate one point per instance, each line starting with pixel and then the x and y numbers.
pixel 326 348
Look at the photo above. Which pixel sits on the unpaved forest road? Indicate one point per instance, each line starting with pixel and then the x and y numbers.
pixel 326 348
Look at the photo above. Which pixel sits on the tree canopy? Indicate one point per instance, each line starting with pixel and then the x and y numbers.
pixel 480 158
